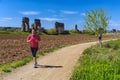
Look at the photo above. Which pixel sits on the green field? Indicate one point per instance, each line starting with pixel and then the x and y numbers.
pixel 99 63
pixel 12 32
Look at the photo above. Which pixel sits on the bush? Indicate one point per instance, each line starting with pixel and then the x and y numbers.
pixel 74 32
pixel 88 51
pixel 107 45
pixel 115 46
pixel 65 32
pixel 89 32
pixel 51 31
pixel 112 44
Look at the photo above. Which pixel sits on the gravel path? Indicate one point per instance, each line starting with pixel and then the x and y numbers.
pixel 57 65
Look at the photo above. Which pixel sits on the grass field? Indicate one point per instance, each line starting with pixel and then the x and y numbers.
pixel 10 32
pixel 99 63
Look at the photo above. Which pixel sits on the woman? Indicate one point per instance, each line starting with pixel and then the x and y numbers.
pixel 33 39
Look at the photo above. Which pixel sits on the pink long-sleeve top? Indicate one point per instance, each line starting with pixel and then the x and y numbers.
pixel 33 40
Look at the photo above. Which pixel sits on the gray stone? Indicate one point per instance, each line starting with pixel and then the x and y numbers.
pixel 25 24
pixel 59 27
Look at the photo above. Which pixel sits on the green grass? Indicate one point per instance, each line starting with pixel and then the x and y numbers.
pixel 10 32
pixel 99 63
pixel 7 67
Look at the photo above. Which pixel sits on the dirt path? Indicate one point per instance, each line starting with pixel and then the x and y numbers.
pixel 57 65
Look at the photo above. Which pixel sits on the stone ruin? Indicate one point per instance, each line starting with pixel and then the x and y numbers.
pixel 25 24
pixel 36 25
pixel 59 27
pixel 76 28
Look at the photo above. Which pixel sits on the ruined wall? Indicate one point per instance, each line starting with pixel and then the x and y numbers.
pixel 36 25
pixel 59 27
pixel 76 28
pixel 25 24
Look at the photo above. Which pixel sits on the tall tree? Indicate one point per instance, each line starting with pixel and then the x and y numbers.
pixel 96 21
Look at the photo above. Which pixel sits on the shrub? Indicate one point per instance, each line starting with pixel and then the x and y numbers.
pixel 51 31
pixel 88 51
pixel 65 32
pixel 107 45
pixel 115 46
pixel 89 32
pixel 74 32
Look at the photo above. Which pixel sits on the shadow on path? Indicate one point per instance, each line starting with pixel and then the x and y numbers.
pixel 49 66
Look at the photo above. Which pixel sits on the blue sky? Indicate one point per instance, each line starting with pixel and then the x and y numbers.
pixel 69 12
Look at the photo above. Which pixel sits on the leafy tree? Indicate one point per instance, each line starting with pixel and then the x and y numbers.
pixel 96 21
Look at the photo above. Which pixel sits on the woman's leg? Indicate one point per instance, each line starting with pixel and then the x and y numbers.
pixel 34 51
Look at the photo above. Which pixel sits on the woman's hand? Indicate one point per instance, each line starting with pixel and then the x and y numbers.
pixel 29 40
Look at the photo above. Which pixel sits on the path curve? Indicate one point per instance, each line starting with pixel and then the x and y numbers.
pixel 57 65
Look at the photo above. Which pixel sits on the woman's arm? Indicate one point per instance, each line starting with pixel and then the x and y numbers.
pixel 29 39
pixel 39 38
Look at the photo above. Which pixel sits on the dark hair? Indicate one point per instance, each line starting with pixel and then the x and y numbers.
pixel 34 31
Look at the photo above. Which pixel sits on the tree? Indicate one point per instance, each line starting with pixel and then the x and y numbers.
pixel 96 21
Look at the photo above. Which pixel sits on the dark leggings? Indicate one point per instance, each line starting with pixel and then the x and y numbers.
pixel 34 51
pixel 100 38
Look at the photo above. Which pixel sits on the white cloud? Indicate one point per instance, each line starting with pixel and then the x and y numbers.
pixel 69 12
pixel 55 15
pixel 6 19
pixel 30 13
pixel 82 14
pixel 114 24
pixel 50 10
pixel 51 19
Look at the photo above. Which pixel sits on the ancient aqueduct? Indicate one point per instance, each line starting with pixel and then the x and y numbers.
pixel 59 27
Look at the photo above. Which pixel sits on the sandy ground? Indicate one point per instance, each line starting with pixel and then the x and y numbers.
pixel 57 65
